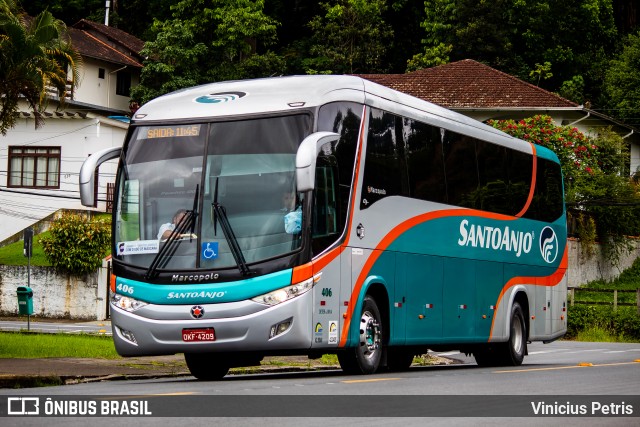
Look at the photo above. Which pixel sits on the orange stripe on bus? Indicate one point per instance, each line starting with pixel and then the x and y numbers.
pixel 390 238
pixel 532 189
pixel 357 174
pixel 551 280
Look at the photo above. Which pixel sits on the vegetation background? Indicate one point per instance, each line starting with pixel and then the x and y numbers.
pixel 587 51
pixel 584 50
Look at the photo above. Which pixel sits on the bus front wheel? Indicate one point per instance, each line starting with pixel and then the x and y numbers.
pixel 365 358
pixel 207 366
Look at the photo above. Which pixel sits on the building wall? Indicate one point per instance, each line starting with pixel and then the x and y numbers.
pixel 102 91
pixel 77 139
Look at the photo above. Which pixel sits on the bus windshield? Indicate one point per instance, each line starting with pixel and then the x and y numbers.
pixel 233 181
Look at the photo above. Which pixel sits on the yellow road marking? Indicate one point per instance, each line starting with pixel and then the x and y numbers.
pixel 581 365
pixel 370 380
pixel 146 396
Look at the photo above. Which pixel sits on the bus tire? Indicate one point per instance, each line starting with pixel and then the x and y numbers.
pixel 510 353
pixel 207 366
pixel 399 359
pixel 365 358
pixel 516 348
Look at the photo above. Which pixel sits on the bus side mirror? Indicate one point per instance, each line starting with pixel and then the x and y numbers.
pixel 306 158
pixel 87 172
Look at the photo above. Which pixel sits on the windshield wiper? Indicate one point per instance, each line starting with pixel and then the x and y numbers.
pixel 187 222
pixel 219 212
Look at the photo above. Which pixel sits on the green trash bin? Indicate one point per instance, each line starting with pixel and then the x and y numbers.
pixel 25 300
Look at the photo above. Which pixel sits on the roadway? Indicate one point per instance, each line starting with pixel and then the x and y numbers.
pixel 564 372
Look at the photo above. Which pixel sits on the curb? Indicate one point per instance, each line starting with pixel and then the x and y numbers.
pixel 33 381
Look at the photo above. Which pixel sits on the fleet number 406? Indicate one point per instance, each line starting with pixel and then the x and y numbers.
pixel 125 289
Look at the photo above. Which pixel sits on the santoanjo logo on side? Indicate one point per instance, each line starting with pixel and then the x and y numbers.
pixel 496 238
pixel 548 244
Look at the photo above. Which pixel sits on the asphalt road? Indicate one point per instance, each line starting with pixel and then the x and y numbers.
pixel 561 373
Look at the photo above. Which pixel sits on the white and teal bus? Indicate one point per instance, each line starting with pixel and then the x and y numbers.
pixel 329 215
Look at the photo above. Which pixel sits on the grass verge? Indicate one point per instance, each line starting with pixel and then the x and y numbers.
pixel 30 345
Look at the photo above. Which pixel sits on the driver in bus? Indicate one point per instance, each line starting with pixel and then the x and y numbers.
pixel 167 228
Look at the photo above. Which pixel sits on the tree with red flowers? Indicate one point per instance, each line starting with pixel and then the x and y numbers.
pixel 602 202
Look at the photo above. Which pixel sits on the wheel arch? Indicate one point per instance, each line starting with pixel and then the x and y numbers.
pixel 377 288
pixel 521 297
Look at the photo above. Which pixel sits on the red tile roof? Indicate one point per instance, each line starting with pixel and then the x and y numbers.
pixel 470 84
pixel 109 44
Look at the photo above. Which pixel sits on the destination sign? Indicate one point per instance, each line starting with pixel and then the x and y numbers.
pixel 173 131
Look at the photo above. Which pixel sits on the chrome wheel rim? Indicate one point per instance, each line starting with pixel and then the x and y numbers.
pixel 369 334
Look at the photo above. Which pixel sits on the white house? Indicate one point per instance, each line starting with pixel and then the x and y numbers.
pixel 39 168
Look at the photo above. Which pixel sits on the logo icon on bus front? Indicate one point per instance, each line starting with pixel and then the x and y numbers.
pixel 218 98
pixel 197 311
pixel 548 244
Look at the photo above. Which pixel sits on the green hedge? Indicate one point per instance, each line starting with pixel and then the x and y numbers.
pixel 623 323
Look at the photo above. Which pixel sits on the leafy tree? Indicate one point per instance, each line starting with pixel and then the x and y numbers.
pixel 351 37
pixel 572 36
pixel 69 11
pixel 207 41
pixel 34 55
pixel 440 19
pixel 77 245
pixel 622 81
pixel 599 196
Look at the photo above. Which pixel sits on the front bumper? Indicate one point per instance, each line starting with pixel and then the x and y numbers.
pixel 158 329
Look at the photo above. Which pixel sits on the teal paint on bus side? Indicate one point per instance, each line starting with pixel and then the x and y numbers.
pixel 382 274
pixel 449 282
pixel 469 235
pixel 203 293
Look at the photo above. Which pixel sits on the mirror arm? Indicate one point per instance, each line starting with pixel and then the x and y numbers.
pixel 88 169
pixel 306 158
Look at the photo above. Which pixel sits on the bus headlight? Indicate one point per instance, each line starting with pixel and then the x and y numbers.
pixel 284 294
pixel 126 303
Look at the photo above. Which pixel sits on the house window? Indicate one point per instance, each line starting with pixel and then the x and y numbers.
pixel 34 167
pixel 101 73
pixel 123 83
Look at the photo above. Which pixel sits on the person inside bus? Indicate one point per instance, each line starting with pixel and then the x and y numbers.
pixel 293 215
pixel 167 228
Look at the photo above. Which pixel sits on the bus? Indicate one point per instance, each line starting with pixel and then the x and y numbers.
pixel 311 215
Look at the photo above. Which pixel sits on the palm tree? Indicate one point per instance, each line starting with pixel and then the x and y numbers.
pixel 35 55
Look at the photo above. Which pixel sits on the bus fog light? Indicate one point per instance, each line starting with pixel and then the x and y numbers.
pixel 280 328
pixel 128 335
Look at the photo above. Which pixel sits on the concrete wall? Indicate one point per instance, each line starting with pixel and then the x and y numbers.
pixel 584 268
pixel 61 295
pixel 55 295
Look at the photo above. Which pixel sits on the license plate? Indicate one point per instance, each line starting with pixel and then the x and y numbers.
pixel 198 335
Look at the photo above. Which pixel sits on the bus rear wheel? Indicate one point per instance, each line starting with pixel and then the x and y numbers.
pixel 365 358
pixel 516 348
pixel 510 353
pixel 207 366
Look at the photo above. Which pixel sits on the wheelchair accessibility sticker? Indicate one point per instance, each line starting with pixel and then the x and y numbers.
pixel 209 250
